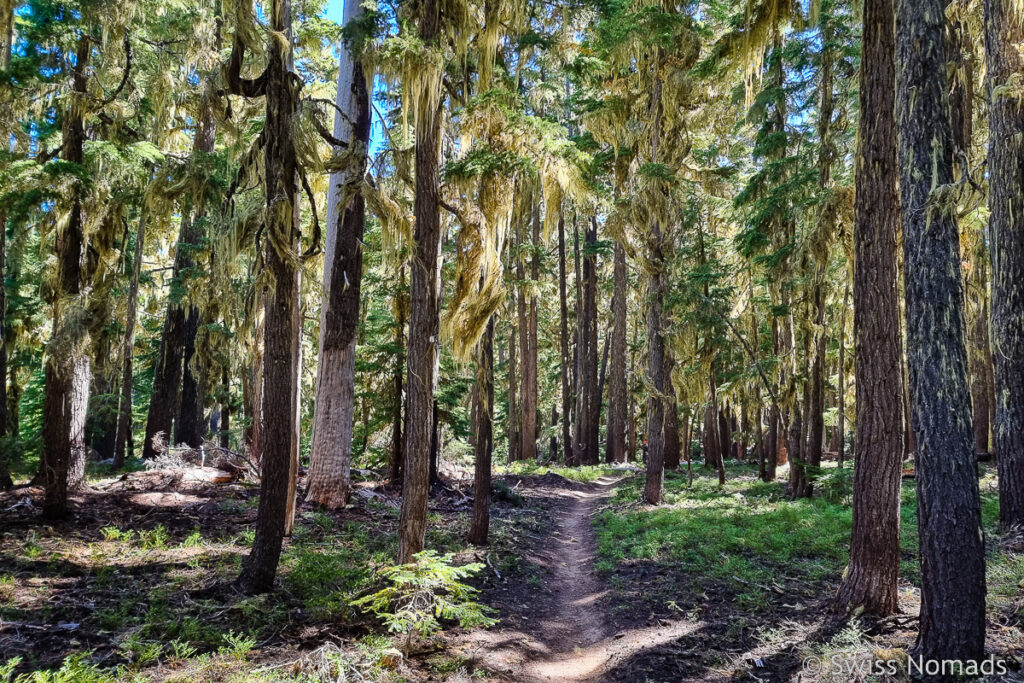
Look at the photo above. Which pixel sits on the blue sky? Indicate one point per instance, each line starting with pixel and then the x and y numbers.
pixel 335 9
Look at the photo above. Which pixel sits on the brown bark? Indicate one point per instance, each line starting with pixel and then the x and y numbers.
pixel 563 308
pixel 189 428
pixel 169 375
pixel 124 417
pixel 871 579
pixel 952 547
pixel 513 407
pixel 397 386
pixel 67 371
pixel 225 408
pixel 841 396
pixel 280 390
pixel 527 310
pixel 673 452
pixel 615 449
pixel 423 312
pixel 656 288
pixel 484 411
pixel 589 396
pixel 1004 33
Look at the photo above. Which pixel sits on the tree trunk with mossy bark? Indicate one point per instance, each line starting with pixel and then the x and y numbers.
pixel 1004 33
pixel 67 373
pixel 423 342
pixel 566 359
pixel 333 419
pixel 124 416
pixel 280 391
pixel 952 544
pixel 168 374
pixel 615 449
pixel 656 365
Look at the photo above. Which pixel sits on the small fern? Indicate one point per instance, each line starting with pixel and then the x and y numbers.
pixel 421 593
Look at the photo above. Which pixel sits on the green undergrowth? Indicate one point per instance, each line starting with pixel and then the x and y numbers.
pixel 748 535
pixel 585 474
pixel 143 589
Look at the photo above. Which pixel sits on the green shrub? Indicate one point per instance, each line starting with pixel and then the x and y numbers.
pixel 420 593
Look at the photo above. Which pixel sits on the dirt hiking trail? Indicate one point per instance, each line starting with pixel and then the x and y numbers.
pixel 559 628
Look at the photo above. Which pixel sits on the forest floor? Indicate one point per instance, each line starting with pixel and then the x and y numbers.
pixel 588 584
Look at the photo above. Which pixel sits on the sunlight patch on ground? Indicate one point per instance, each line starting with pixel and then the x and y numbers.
pixel 586 662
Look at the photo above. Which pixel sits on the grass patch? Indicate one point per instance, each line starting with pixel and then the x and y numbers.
pixel 584 475
pixel 749 535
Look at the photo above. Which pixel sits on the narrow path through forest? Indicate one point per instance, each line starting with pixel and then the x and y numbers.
pixel 559 628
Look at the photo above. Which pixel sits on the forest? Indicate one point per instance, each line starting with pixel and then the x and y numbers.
pixel 511 340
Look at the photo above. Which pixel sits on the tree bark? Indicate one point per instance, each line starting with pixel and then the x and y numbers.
pixel 280 374
pixel 513 407
pixel 331 453
pixel 528 337
pixel 878 448
pixel 482 451
pixel 615 450
pixel 190 428
pixel 563 308
pixel 423 342
pixel 527 312
pixel 124 417
pixel 168 374
pixel 225 408
pixel 841 394
pixel 1004 33
pixel 67 374
pixel 671 417
pixel 590 400
pixel 952 547
pixel 397 386
pixel 654 484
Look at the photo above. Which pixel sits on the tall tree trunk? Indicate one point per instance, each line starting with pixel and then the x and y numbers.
pixel 295 444
pixel 979 354
pixel 631 415
pixel 590 399
pixel 1004 33
pixel 841 394
pixel 67 372
pixel 124 417
pixel 656 366
pixel 513 407
pixel 190 428
pixel 671 417
pixel 101 426
pixel 168 374
pixel 578 344
pixel 14 394
pixel 528 433
pixel 949 506
pixel 225 408
pixel 435 446
pixel 871 579
pixel 422 356
pixel 563 308
pixel 331 452
pixel 527 311
pixel 615 450
pixel 484 397
pixel 280 374
pixel 397 386
pixel 6 45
